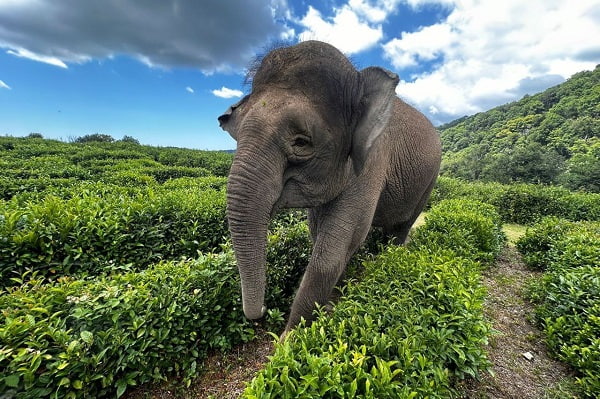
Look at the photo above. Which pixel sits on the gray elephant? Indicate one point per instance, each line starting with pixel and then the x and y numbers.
pixel 317 133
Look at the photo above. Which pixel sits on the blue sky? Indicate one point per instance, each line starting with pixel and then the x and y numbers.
pixel 162 71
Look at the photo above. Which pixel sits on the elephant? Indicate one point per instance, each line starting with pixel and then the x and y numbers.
pixel 314 132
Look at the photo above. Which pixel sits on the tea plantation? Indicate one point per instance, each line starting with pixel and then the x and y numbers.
pixel 116 270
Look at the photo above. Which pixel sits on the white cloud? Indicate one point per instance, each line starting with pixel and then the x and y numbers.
pixel 490 52
pixel 23 53
pixel 211 36
pixel 419 3
pixel 4 85
pixel 225 92
pixel 189 89
pixel 346 31
pixel 424 45
pixel 373 13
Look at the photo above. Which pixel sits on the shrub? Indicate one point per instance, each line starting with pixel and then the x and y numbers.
pixel 288 253
pixel 78 338
pixel 522 203
pixel 408 329
pixel 569 312
pixel 165 173
pixel 561 243
pixel 97 229
pixel 526 203
pixel 93 338
pixel 197 183
pixel 26 161
pixel 470 228
pixel 451 188
pixel 130 178
pixel 411 327
pixel 10 187
pixel 568 294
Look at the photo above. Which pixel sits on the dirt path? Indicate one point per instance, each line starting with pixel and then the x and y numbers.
pixel 514 374
pixel 225 375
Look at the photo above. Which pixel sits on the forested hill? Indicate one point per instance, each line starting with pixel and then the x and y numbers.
pixel 551 137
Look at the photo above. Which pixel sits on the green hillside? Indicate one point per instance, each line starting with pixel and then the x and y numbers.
pixel 551 137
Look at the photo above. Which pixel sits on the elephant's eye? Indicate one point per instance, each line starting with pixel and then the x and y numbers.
pixel 302 148
pixel 301 142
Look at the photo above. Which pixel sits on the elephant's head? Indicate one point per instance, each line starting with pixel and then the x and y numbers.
pixel 304 130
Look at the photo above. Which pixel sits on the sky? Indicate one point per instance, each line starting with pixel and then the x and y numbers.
pixel 162 71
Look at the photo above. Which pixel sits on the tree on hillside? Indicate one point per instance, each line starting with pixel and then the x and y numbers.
pixel 583 169
pixel 96 137
pixel 129 139
pixel 550 138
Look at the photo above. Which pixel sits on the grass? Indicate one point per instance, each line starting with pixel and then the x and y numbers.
pixel 513 232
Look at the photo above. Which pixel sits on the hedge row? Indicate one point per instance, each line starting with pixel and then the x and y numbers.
pixel 92 338
pixel 470 229
pixel 97 228
pixel 411 327
pixel 40 186
pixel 555 242
pixel 33 164
pixel 76 338
pixel 522 203
pixel 568 294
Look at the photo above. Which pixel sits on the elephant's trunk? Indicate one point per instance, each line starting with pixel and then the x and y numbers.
pixel 252 189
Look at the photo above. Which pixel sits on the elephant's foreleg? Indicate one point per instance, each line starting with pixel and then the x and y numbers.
pixel 339 233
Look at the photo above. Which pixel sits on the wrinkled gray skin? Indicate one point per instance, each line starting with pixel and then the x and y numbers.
pixel 316 133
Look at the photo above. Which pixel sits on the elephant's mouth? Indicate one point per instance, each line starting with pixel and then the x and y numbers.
pixel 296 195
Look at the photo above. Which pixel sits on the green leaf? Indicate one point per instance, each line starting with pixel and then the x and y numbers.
pixel 121 387
pixel 62 365
pixel 87 337
pixel 12 381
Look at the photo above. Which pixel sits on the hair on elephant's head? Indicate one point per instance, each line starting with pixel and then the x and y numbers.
pixel 303 131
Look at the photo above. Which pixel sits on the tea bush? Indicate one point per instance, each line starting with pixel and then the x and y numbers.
pixel 198 183
pixel 28 164
pixel 288 252
pixel 560 242
pixel 410 328
pixel 10 187
pixel 569 313
pixel 470 228
pixel 91 338
pixel 522 203
pixel 568 294
pixel 95 230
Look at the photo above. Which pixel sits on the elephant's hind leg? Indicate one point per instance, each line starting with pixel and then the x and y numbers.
pixel 398 233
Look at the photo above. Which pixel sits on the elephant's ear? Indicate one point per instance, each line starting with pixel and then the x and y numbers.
pixel 229 121
pixel 376 106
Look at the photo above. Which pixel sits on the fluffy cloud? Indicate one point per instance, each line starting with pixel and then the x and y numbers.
pixel 376 13
pixel 4 85
pixel 189 90
pixel 211 36
pixel 225 92
pixel 488 53
pixel 424 45
pixel 345 30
